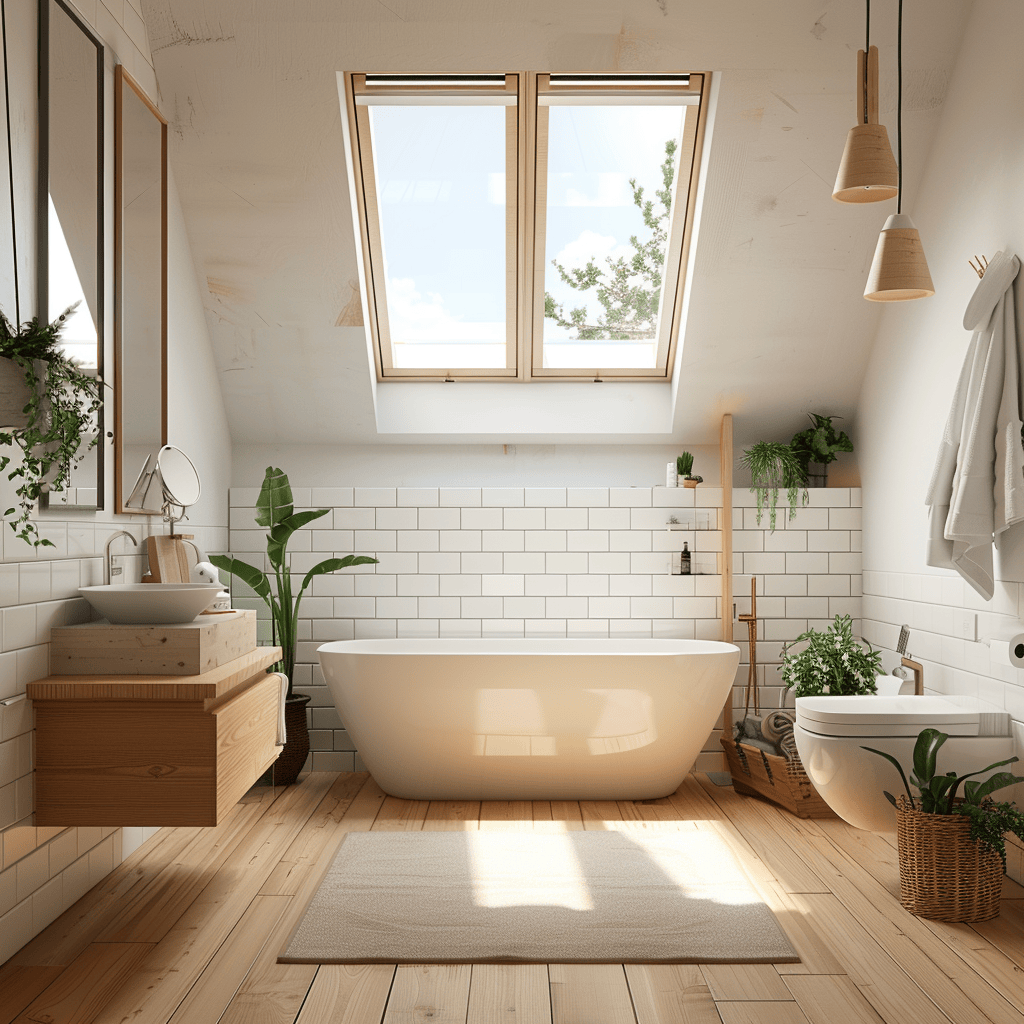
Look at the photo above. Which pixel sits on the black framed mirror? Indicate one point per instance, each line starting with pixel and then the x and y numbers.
pixel 70 214
pixel 140 283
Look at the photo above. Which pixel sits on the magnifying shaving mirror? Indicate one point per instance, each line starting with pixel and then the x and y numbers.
pixel 168 485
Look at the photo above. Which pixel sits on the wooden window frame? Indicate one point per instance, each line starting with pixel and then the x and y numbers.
pixel 525 183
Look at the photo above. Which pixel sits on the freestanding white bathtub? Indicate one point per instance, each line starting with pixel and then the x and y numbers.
pixel 529 719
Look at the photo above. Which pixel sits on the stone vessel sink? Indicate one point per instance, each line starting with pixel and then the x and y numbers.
pixel 151 603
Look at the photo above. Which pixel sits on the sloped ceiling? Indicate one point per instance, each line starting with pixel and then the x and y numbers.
pixel 777 325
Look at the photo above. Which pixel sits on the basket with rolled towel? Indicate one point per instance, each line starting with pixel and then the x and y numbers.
pixel 762 755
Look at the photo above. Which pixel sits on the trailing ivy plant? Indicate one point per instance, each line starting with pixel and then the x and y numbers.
pixel 990 821
pixel 773 465
pixel 62 406
pixel 819 443
pixel 275 510
pixel 832 664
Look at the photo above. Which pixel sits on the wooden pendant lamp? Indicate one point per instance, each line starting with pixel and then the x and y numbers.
pixel 867 172
pixel 899 270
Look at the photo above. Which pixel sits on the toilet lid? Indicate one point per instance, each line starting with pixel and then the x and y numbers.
pixel 899 716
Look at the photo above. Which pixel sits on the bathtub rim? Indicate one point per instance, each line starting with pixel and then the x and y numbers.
pixel 631 647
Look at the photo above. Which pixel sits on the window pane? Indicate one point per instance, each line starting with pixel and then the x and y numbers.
pixel 440 174
pixel 611 177
pixel 78 339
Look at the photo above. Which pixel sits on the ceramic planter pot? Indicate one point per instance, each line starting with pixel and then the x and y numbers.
pixel 14 395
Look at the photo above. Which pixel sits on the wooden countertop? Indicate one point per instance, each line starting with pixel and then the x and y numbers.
pixel 207 686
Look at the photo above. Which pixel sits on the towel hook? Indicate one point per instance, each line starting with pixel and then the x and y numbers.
pixel 981 267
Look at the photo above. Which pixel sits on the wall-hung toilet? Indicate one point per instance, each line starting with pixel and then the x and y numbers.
pixel 830 732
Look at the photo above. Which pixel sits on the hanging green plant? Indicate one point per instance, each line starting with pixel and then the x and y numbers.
pixel 773 465
pixel 60 414
pixel 819 443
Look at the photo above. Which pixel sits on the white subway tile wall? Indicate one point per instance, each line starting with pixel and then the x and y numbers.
pixel 556 562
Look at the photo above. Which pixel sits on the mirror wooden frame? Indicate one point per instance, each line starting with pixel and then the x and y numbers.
pixel 122 81
pixel 43 222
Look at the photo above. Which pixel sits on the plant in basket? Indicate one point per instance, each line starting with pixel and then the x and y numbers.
pixel 952 850
pixel 275 510
pixel 762 755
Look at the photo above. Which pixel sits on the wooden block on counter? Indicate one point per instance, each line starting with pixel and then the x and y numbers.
pixel 181 649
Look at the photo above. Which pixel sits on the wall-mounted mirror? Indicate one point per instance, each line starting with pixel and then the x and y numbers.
pixel 140 282
pixel 70 216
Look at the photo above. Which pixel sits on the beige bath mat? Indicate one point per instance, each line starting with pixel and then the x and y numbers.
pixel 526 897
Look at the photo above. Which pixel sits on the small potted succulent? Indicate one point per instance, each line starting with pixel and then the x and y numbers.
pixel 773 466
pixel 275 510
pixel 684 470
pixel 952 851
pixel 832 664
pixel 48 407
pixel 819 445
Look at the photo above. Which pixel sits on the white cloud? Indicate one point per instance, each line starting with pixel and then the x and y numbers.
pixel 591 246
pixel 415 318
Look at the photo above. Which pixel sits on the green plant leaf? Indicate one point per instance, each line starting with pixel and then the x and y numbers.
pixel 277 540
pixel 977 791
pixel 925 749
pixel 249 574
pixel 892 760
pixel 275 498
pixel 888 796
pixel 332 564
pixel 937 788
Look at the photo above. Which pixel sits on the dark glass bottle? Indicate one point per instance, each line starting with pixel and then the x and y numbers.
pixel 684 560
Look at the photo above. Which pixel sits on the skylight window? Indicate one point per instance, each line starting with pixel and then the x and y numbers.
pixel 524 226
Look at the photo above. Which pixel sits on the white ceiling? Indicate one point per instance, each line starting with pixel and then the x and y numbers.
pixel 777 325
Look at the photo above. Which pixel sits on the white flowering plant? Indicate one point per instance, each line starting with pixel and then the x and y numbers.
pixel 834 663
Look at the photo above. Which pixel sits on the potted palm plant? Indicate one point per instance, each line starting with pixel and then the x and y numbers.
pixel 48 407
pixel 275 510
pixel 773 466
pixel 952 850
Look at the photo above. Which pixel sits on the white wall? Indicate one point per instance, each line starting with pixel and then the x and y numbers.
pixel 971 202
pixel 45 870
pixel 472 465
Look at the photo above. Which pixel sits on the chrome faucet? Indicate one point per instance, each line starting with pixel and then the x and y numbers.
pixel 110 569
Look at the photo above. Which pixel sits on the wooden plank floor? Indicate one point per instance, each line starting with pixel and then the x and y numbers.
pixel 188 929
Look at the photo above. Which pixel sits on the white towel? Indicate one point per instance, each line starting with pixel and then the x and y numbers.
pixel 282 734
pixel 977 487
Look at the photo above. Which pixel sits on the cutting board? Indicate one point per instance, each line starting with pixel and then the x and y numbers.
pixel 168 560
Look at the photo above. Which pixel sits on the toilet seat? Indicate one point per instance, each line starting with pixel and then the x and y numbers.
pixel 868 716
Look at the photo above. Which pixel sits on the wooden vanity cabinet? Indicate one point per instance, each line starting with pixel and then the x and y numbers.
pixel 154 750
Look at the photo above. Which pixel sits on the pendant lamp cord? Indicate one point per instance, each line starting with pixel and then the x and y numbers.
pixel 899 111
pixel 867 50
pixel 10 161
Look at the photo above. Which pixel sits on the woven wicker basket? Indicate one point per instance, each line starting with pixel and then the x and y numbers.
pixel 784 782
pixel 944 874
